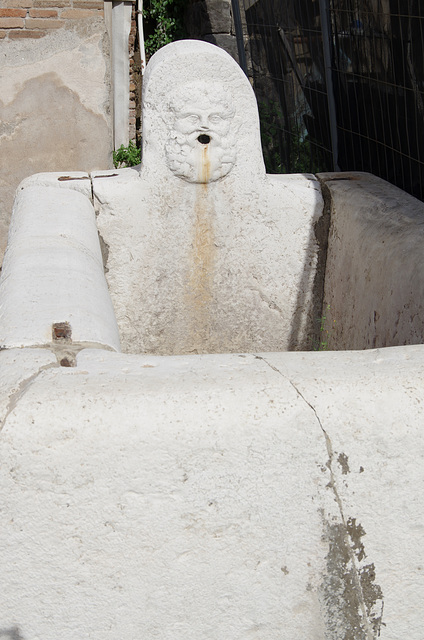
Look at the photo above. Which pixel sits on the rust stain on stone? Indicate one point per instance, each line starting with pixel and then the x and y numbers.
pixel 205 166
pixel 201 261
pixel 61 331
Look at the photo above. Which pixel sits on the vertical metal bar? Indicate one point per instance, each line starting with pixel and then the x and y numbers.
pixel 121 25
pixel 327 44
pixel 239 34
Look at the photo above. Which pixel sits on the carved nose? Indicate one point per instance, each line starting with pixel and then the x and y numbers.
pixel 204 139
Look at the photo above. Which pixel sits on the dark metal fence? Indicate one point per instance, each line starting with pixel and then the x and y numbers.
pixel 340 84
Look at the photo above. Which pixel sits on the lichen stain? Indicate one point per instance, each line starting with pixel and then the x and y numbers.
pixel 353 602
pixel 201 264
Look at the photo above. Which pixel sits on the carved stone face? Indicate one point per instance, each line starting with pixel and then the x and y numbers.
pixel 201 142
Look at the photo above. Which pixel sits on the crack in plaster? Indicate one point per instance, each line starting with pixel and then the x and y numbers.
pixel 370 635
pixel 22 389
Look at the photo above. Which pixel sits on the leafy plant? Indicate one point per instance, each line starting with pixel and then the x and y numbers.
pixel 287 149
pixel 321 344
pixel 127 156
pixel 163 23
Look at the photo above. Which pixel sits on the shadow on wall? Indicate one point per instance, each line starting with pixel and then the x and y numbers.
pixel 318 237
pixel 13 633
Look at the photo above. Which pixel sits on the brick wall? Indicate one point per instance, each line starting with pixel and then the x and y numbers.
pixel 35 18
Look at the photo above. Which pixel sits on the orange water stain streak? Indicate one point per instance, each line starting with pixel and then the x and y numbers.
pixel 201 262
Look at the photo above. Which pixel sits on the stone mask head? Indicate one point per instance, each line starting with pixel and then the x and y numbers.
pixel 201 133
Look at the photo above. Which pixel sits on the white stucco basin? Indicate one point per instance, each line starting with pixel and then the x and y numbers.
pixel 256 495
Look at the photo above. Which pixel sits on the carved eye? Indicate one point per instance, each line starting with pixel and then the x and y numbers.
pixel 215 118
pixel 193 118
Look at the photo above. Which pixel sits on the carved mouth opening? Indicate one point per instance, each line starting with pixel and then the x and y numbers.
pixel 204 139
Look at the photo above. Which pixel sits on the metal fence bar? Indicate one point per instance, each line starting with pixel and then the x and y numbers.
pixel 327 51
pixel 340 83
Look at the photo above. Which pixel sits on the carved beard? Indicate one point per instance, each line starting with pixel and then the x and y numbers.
pixel 192 161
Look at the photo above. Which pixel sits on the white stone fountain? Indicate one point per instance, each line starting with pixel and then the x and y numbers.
pixel 207 483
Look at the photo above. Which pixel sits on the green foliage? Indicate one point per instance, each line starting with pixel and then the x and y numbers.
pixel 163 23
pixel 287 149
pixel 322 343
pixel 126 156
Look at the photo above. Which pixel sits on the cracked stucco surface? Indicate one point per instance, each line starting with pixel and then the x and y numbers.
pixel 18 370
pixel 347 605
pixel 213 496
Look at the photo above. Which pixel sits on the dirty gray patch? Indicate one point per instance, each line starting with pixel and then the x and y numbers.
pixel 13 633
pixel 343 461
pixel 104 248
pixel 353 602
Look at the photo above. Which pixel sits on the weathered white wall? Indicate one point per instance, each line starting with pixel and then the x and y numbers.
pixel 241 496
pixel 54 105
pixel 374 282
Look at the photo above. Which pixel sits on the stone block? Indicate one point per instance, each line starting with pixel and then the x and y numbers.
pixel 207 17
pixel 224 41
pixel 376 232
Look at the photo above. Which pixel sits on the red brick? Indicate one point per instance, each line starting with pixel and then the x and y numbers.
pixel 24 33
pixel 43 23
pixel 79 14
pixel 43 13
pixel 11 23
pixel 12 13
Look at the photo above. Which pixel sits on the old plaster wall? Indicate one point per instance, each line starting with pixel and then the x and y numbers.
pixel 374 282
pixel 54 103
